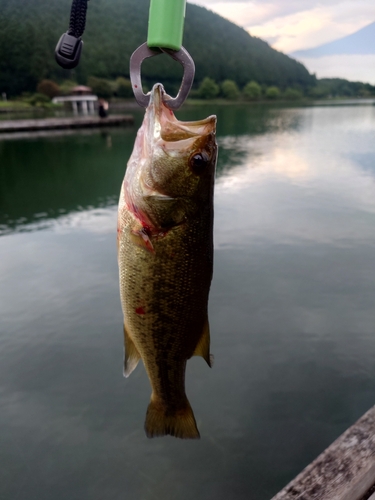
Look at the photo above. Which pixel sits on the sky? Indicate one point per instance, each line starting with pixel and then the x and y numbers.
pixel 290 25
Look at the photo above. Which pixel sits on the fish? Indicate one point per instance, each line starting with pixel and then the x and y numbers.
pixel 165 257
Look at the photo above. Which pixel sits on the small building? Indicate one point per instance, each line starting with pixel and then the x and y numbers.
pixel 82 100
pixel 81 90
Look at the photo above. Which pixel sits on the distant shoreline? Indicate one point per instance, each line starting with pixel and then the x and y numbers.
pixel 130 104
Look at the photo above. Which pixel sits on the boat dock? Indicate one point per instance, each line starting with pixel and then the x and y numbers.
pixel 344 471
pixel 64 123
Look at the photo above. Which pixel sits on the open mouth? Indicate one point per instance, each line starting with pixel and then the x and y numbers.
pixel 166 126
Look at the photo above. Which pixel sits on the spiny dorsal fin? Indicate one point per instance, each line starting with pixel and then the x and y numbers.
pixel 203 346
pixel 131 356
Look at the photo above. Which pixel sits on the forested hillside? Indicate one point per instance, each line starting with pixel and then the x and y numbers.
pixel 29 31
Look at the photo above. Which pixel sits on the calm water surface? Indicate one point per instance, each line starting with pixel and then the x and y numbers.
pixel 291 312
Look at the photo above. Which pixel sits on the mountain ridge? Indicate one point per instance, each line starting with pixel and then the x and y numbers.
pixel 114 29
pixel 361 42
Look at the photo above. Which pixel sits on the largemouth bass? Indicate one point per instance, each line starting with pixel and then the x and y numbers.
pixel 165 256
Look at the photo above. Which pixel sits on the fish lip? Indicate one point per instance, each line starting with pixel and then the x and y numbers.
pixel 156 106
pixel 164 126
pixel 157 94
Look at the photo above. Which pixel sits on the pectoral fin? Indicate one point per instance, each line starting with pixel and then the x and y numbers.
pixel 203 346
pixel 141 238
pixel 132 356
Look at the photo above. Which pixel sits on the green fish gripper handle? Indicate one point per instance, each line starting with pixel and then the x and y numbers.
pixel 166 24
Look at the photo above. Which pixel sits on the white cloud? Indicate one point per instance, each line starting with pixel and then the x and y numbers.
pixel 293 25
pixel 296 30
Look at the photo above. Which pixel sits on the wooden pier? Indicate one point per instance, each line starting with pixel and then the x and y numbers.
pixel 344 471
pixel 64 123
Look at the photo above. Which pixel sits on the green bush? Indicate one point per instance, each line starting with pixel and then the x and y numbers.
pixel 252 91
pixel 48 88
pixel 230 90
pixel 38 100
pixel 66 86
pixel 293 94
pixel 123 87
pixel 320 91
pixel 364 93
pixel 100 86
pixel 208 89
pixel 272 92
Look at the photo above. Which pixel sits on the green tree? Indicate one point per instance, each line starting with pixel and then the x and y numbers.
pixel 48 88
pixel 28 37
pixel 208 89
pixel 293 94
pixel 272 92
pixel 229 89
pixel 252 91
pixel 66 86
pixel 100 86
pixel 320 91
pixel 364 92
pixel 123 87
pixel 38 100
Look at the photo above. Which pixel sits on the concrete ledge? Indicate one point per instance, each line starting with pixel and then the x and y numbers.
pixel 63 123
pixel 344 471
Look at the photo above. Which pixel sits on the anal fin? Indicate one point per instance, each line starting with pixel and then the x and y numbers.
pixel 132 356
pixel 203 346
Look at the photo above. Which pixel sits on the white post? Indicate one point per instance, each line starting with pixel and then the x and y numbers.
pixel 75 107
pixel 92 108
pixel 84 107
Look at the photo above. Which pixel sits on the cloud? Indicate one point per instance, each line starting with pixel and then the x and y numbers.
pixel 295 29
pixel 293 24
pixel 258 11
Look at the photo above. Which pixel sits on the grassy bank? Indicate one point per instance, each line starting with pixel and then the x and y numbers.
pixel 14 106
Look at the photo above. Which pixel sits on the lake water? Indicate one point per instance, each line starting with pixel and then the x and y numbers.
pixel 291 311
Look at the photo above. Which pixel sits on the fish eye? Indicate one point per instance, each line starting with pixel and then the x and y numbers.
pixel 198 162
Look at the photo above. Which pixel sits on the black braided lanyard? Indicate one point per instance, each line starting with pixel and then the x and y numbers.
pixel 69 47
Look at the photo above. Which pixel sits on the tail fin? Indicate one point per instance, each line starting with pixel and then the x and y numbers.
pixel 179 423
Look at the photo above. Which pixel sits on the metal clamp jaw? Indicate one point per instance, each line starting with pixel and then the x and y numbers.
pixel 182 56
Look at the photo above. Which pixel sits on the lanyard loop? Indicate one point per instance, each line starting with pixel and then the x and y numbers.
pixel 69 47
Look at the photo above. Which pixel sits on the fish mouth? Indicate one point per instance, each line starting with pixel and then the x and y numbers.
pixel 164 125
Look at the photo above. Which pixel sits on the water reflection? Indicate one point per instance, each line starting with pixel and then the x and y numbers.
pixel 291 312
pixel 46 174
pixel 44 178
